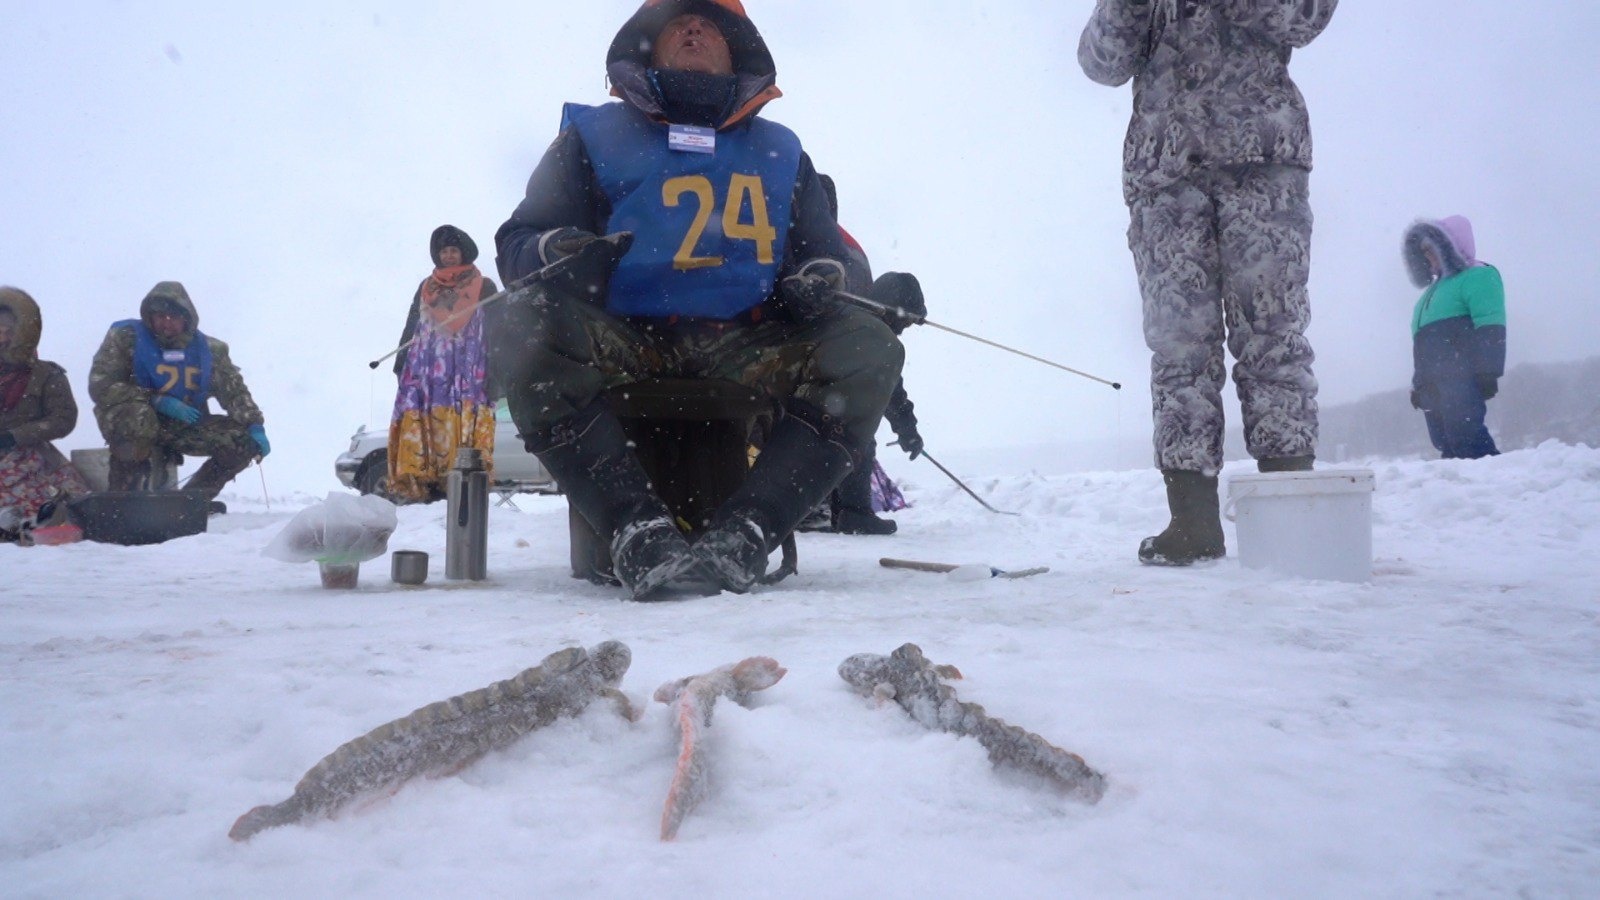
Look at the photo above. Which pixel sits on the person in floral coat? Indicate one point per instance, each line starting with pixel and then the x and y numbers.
pixel 445 400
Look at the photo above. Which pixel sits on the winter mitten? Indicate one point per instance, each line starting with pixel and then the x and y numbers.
pixel 911 443
pixel 1488 385
pixel 590 260
pixel 7 441
pixel 563 242
pixel 808 294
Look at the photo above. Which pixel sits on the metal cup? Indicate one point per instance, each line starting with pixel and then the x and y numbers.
pixel 408 566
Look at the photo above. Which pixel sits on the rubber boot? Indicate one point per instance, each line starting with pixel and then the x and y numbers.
pixel 588 455
pixel 1195 532
pixel 128 474
pixel 804 458
pixel 820 518
pixel 1285 464
pixel 217 471
pixel 852 506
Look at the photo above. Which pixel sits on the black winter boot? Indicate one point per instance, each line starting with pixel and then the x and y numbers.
pixel 805 457
pixel 128 474
pixel 852 505
pixel 1195 532
pixel 1285 464
pixel 820 518
pixel 215 473
pixel 589 457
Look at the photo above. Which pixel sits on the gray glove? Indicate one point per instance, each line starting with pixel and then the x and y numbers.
pixel 808 294
pixel 588 260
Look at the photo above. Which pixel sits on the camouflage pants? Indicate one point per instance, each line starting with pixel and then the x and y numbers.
pixel 135 432
pixel 845 364
pixel 1227 254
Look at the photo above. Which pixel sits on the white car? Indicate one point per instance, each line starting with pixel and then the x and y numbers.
pixel 365 466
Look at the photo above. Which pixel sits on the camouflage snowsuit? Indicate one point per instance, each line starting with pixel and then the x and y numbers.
pixel 576 350
pixel 33 471
pixel 135 431
pixel 1215 172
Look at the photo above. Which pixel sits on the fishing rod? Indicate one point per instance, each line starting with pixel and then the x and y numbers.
pixel 959 483
pixel 613 245
pixel 913 318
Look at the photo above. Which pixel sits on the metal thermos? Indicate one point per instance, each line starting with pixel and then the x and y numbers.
pixel 466 529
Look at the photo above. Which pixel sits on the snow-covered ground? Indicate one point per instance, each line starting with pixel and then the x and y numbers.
pixel 1431 733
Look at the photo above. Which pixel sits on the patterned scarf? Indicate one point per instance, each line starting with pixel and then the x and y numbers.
pixel 450 294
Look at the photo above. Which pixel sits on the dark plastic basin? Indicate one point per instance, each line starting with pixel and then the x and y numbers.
pixel 139 517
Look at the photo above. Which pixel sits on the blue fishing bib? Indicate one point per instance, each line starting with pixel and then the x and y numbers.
pixel 182 373
pixel 710 228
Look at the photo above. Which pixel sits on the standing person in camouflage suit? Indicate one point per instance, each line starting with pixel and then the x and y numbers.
pixel 1215 174
pixel 151 382
pixel 36 407
pixel 733 263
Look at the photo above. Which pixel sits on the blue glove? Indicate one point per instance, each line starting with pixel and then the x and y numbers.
pixel 173 408
pixel 259 435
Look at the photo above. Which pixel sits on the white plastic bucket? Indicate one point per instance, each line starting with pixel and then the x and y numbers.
pixel 1314 524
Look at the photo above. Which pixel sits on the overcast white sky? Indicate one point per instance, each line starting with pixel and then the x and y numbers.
pixel 287 162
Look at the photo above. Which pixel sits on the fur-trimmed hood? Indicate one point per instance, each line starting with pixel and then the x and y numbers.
pixel 24 348
pixel 451 236
pixel 1451 239
pixel 171 293
pixel 628 60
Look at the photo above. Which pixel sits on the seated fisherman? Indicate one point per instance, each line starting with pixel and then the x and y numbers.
pixel 733 262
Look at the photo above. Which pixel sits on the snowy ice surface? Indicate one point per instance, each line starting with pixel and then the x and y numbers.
pixel 1432 732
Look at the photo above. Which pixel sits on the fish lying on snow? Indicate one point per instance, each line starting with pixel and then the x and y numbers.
pixel 443 738
pixel 692 700
pixel 917 685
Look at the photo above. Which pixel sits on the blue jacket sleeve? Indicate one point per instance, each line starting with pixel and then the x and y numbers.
pixel 562 192
pixel 813 233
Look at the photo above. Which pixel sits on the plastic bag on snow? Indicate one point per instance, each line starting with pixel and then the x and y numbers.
pixel 342 530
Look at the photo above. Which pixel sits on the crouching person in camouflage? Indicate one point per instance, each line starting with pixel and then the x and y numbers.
pixel 1215 173
pixel 730 274
pixel 151 383
pixel 36 407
